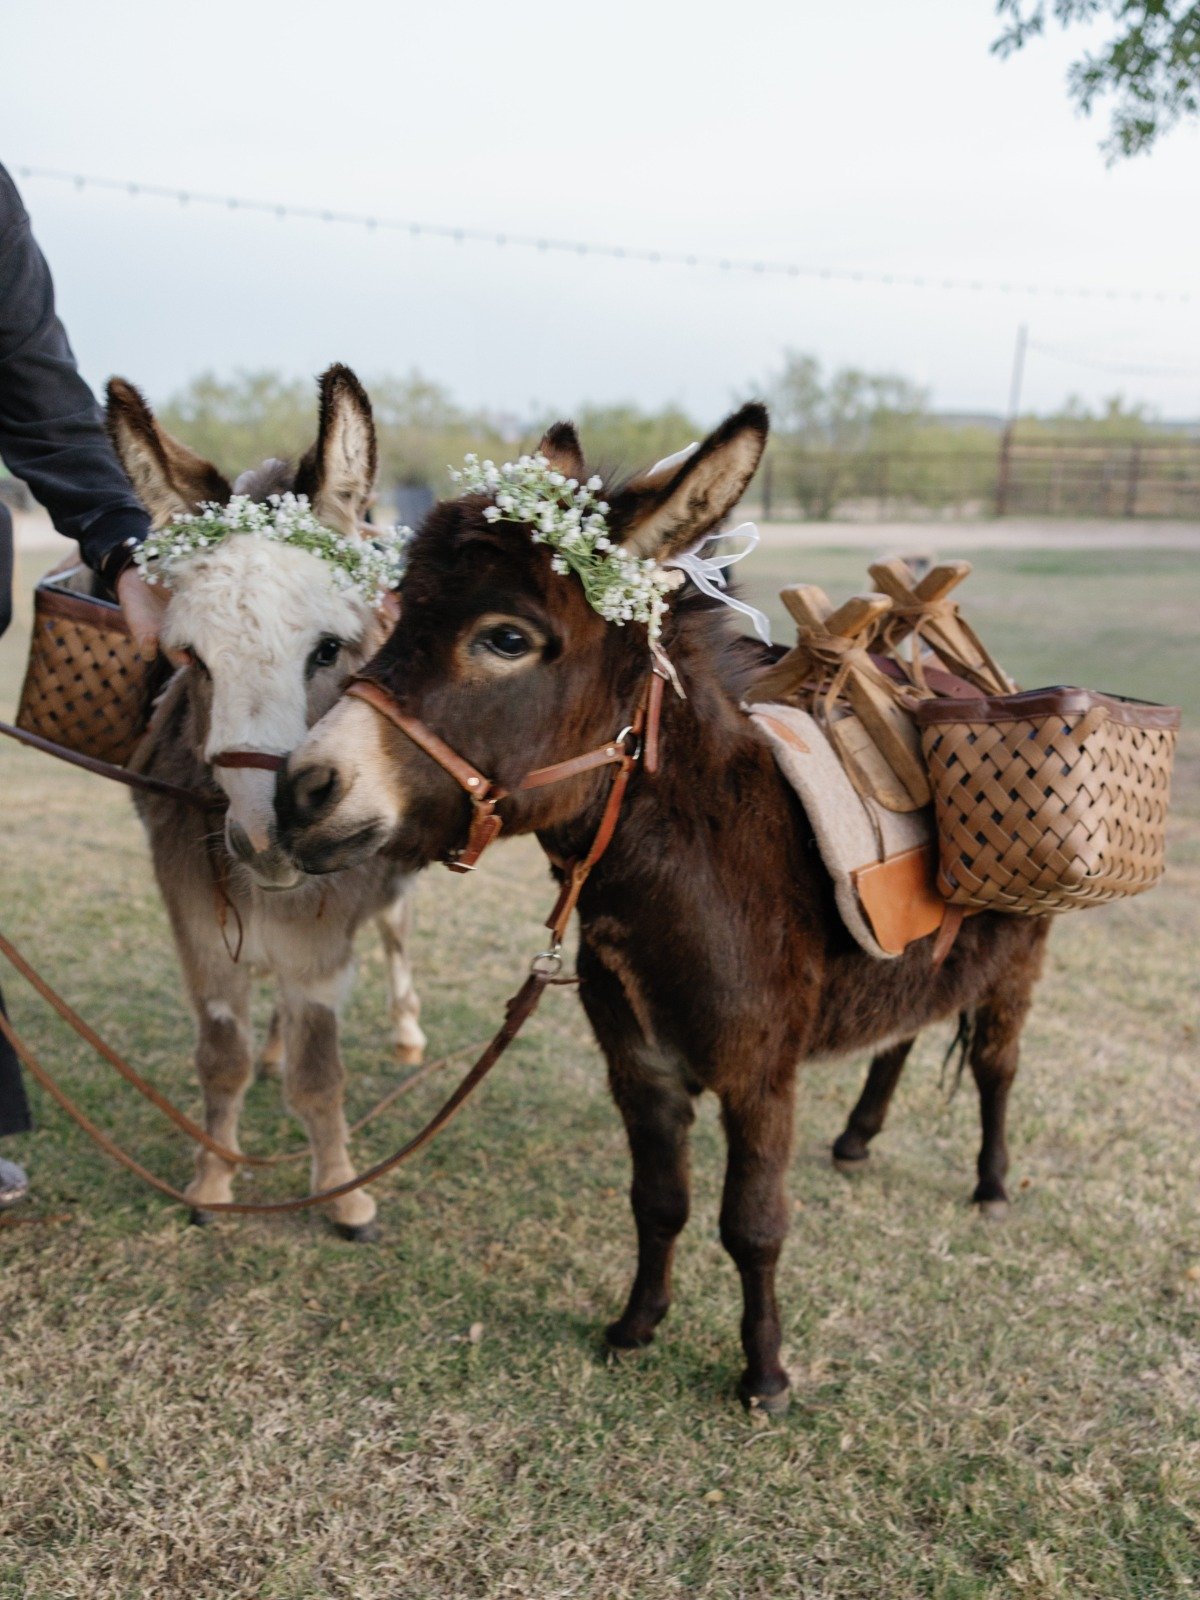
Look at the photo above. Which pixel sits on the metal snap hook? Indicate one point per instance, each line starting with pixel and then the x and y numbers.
pixel 630 732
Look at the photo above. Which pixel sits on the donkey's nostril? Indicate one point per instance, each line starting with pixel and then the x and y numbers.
pixel 312 792
pixel 238 841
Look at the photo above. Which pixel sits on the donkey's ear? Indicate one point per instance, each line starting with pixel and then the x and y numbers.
pixel 560 445
pixel 666 515
pixel 338 473
pixel 167 477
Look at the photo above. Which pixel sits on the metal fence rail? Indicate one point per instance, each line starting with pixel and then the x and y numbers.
pixel 1043 478
pixel 1133 480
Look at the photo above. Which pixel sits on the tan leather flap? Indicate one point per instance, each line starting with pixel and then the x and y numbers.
pixel 899 897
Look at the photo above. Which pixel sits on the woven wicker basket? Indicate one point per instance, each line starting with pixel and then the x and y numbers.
pixel 88 686
pixel 1050 799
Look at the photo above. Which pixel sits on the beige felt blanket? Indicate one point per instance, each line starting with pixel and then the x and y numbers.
pixel 853 833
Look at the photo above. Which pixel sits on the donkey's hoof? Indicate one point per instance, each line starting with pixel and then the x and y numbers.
pixel 851 1165
pixel 199 1218
pixel 359 1232
pixel 771 1405
pixel 621 1340
pixel 409 1055
pixel 849 1152
pixel 991 1199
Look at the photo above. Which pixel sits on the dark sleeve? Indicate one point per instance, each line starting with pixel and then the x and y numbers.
pixel 51 430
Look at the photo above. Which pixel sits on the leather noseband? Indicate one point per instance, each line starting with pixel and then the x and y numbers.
pixel 262 759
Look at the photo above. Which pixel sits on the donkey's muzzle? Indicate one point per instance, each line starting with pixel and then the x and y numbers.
pixel 238 841
pixel 304 800
pixel 270 867
pixel 305 797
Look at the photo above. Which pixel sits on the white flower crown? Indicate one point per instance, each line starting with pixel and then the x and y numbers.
pixel 567 517
pixel 370 567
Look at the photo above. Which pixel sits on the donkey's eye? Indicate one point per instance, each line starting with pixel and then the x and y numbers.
pixel 325 654
pixel 506 641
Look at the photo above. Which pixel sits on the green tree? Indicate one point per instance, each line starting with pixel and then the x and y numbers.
pixel 624 438
pixel 829 434
pixel 422 431
pixel 1151 64
pixel 1116 422
pixel 241 420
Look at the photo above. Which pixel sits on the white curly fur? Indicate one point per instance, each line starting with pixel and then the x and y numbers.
pixel 253 611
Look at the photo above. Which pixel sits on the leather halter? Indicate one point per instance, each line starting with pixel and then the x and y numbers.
pixel 262 759
pixel 485 795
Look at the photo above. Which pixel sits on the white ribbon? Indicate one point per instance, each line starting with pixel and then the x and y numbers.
pixel 668 464
pixel 708 572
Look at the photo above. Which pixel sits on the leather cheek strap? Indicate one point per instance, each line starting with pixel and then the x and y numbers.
pixel 463 773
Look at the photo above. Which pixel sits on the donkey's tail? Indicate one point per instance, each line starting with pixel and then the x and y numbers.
pixel 960 1046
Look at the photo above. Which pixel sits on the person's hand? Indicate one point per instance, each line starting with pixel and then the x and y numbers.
pixel 143 608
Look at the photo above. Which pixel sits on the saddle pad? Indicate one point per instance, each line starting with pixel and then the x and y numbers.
pixel 883 863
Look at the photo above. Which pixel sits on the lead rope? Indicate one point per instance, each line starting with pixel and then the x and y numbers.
pixel 520 1008
pixel 156 1098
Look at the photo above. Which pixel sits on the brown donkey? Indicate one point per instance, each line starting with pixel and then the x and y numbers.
pixel 711 954
pixel 270 639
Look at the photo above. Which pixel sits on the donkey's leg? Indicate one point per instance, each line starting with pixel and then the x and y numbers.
pixel 404 1006
pixel 270 1057
pixel 220 994
pixel 994 1053
pixel 993 1056
pixel 313 1081
pixel 754 1220
pixel 868 1115
pixel 658 1113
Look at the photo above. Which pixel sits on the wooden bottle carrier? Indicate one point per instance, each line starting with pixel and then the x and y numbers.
pixel 1043 800
pixel 88 688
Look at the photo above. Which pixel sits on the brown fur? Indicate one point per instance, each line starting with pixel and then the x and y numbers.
pixel 344 455
pixel 560 446
pixel 711 955
pixel 168 477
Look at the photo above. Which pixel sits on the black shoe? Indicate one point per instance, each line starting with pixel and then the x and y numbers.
pixel 14 1185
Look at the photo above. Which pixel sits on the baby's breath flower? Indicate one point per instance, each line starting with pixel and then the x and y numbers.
pixel 567 518
pixel 371 567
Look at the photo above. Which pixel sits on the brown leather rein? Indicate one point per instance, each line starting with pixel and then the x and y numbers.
pixel 108 769
pixel 484 828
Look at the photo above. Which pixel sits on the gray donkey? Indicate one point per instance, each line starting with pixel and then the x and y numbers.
pixel 269 638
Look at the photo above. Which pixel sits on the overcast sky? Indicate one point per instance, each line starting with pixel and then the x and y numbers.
pixel 866 135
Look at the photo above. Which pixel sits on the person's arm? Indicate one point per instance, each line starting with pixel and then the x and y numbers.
pixel 51 430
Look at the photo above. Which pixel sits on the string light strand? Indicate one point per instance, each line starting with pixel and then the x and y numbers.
pixel 582 247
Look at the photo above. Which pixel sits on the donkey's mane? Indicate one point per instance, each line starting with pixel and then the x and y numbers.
pixel 272 476
pixel 698 625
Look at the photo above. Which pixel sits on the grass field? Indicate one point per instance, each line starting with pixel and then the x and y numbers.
pixel 258 1409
